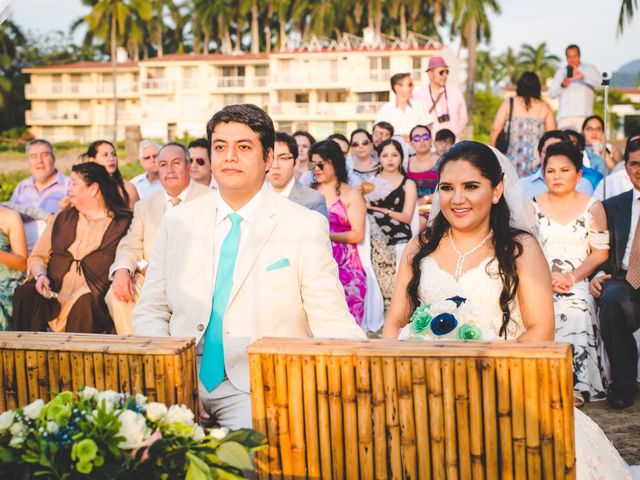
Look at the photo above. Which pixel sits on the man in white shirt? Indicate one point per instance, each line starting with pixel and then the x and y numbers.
pixel 147 183
pixel 134 250
pixel 445 103
pixel 403 112
pixel 617 285
pixel 282 180
pixel 576 85
pixel 238 265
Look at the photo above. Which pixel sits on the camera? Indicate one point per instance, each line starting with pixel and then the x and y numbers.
pixel 569 71
pixel 606 77
pixel 444 118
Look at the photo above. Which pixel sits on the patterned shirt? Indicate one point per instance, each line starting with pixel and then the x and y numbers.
pixel 26 194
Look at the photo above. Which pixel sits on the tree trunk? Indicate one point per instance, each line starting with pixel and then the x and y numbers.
pixel 378 19
pixel 159 40
pixel 437 12
pixel 472 42
pixel 239 32
pixel 282 35
pixel 403 22
pixel 114 72
pixel 255 28
pixel 267 29
pixel 205 44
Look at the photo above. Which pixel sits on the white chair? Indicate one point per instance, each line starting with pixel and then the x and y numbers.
pixel 373 301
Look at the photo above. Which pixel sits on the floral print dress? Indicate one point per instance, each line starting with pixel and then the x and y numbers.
pixel 566 246
pixel 9 280
pixel 523 143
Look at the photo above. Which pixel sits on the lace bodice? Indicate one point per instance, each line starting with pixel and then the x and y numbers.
pixel 481 285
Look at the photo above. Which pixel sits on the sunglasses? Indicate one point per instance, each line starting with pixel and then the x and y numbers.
pixel 364 144
pixel 319 165
pixel 424 136
pixel 443 72
pixel 200 161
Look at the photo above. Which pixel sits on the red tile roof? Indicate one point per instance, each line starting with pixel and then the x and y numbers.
pixel 83 66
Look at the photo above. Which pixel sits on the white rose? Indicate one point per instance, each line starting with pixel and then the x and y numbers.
pixel 198 433
pixel 52 427
pixel 141 400
pixel 180 414
pixel 18 429
pixel 156 411
pixel 88 393
pixel 33 409
pixel 133 427
pixel 6 420
pixel 110 399
pixel 219 433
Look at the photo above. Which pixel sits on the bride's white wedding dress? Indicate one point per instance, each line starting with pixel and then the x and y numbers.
pixel 596 457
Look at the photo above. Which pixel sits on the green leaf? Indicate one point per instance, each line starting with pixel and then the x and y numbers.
pixel 198 469
pixel 235 455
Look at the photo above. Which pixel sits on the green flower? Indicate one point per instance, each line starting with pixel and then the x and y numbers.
pixel 469 332
pixel 85 451
pixel 84 467
pixel 420 319
pixel 59 412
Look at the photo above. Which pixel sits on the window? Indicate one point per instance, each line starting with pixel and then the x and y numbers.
pixel 302 98
pixel 262 70
pixel 379 63
pixel 233 71
pixel 233 99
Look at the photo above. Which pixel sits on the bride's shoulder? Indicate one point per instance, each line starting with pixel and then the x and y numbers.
pixel 531 249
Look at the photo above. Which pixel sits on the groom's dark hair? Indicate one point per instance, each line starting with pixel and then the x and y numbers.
pixel 250 115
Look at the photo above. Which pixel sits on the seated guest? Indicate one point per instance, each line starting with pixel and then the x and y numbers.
pixel 133 253
pixel 534 184
pixel 390 218
pixel 281 178
pixel 200 169
pixel 347 213
pixel 597 152
pixel 423 166
pixel 572 229
pixel 362 164
pixel 104 153
pixel 147 183
pixel 69 266
pixel 591 174
pixel 444 140
pixel 270 274
pixel 618 181
pixel 304 140
pixel 617 285
pixel 381 131
pixel 341 140
pixel 13 261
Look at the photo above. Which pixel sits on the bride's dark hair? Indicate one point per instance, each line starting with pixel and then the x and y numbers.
pixel 507 248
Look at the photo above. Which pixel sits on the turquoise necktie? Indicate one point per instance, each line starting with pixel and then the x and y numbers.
pixel 212 365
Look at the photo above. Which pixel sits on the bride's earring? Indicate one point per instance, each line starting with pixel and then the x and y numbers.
pixel 495 200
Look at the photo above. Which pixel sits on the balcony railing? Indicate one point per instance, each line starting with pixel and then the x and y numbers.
pixel 307 78
pixel 79 89
pixel 157 84
pixel 326 108
pixel 380 75
pixel 71 118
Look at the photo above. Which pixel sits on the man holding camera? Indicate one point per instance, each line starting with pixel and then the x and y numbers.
pixel 445 103
pixel 576 85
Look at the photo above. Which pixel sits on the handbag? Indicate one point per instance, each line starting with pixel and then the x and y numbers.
pixel 502 142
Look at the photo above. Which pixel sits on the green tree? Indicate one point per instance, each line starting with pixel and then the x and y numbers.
pixel 538 59
pixel 10 38
pixel 627 11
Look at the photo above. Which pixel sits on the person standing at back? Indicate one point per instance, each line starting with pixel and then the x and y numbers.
pixel 575 85
pixel 530 118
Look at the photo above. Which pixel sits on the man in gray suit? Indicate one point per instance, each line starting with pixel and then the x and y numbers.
pixel 281 177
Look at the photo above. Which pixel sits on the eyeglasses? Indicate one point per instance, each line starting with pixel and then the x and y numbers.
pixel 285 158
pixel 200 161
pixel 424 137
pixel 443 72
pixel 319 165
pixel 364 144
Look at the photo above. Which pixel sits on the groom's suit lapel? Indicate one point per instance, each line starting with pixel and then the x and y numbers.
pixel 206 222
pixel 623 225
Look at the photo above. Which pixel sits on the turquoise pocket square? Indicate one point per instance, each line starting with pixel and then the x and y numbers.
pixel 283 262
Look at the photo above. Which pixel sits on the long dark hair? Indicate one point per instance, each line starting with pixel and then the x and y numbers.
pixel 398 147
pixel 91 173
pixel 92 152
pixel 507 248
pixel 330 151
pixel 528 87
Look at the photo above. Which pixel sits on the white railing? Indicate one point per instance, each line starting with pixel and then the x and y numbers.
pixel 379 75
pixel 325 108
pixel 57 117
pixel 157 84
pixel 261 81
pixel 89 89
pixel 318 78
pixel 231 82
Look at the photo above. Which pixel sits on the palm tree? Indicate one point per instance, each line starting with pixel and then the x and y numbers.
pixel 539 60
pixel 627 11
pixel 508 63
pixel 470 18
pixel 108 18
pixel 10 38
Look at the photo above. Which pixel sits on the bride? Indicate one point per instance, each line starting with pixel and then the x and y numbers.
pixel 479 245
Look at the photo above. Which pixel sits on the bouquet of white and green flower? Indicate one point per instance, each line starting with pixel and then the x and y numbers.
pixel 108 435
pixel 455 318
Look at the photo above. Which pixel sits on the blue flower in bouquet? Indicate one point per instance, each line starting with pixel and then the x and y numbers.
pixel 457 300
pixel 443 324
pixel 469 331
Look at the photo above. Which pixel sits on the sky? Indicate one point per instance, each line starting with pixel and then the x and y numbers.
pixel 592 24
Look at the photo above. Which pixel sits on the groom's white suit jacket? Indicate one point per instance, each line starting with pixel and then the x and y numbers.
pixel 285 281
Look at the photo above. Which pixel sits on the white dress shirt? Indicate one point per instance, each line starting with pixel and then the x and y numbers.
pixel 182 196
pixel 415 113
pixel 144 187
pixel 635 211
pixel 618 182
pixel 248 213
pixel 576 99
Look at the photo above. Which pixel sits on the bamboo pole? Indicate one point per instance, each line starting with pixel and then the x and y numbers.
pixel 407 426
pixel 280 365
pixel 170 378
pixel 65 371
pixel 270 398
pixel 336 418
pixel 517 409
pixel 532 418
pixel 77 371
pixel 323 417
pixel 490 417
pixel 450 430
pixel 295 402
pixel 54 373
pixel 558 421
pixel 137 383
pixel 365 416
pixel 350 416
pixel 43 377
pixel 111 372
pixel 379 419
pixel 462 417
pixel 21 377
pixel 10 389
pixel 32 376
pixel 546 423
pixel 476 420
pixel 504 419
pixel 566 384
pixel 258 414
pixel 178 383
pixel 150 386
pixel 3 385
pixel 89 374
pixel 98 369
pixel 311 416
pixel 436 418
pixel 391 414
pixel 420 413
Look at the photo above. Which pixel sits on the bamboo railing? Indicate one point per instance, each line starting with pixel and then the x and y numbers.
pixel 412 410
pixel 39 365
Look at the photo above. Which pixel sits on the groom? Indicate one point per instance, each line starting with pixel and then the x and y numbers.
pixel 618 288
pixel 238 264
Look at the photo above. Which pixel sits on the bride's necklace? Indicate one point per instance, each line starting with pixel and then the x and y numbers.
pixel 462 256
